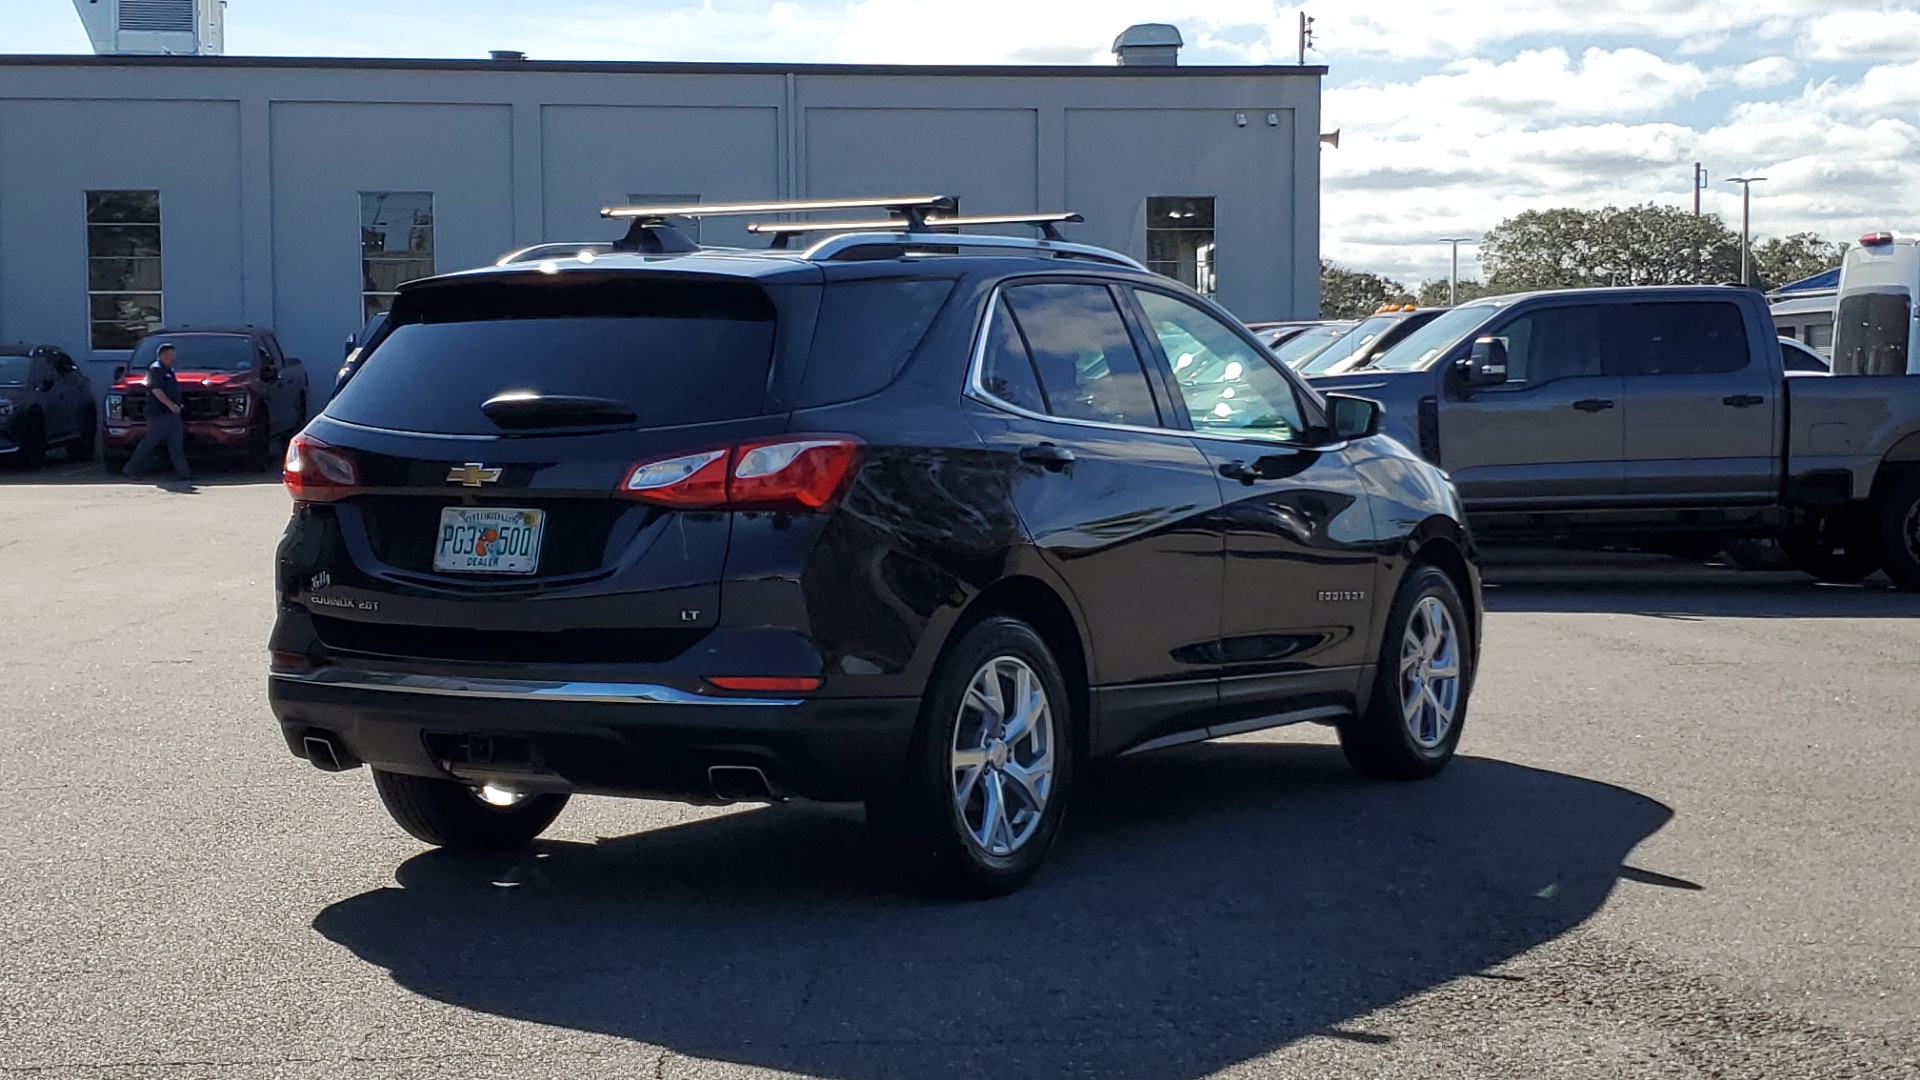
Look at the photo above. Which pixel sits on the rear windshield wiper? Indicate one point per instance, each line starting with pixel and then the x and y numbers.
pixel 523 409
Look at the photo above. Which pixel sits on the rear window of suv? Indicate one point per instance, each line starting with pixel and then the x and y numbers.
pixel 675 351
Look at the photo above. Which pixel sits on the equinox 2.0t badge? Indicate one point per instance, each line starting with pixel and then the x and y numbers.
pixel 1342 596
pixel 472 474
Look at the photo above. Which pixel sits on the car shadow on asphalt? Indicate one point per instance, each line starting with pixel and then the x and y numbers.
pixel 1698 594
pixel 1209 905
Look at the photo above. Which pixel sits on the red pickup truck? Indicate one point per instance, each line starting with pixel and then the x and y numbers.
pixel 240 395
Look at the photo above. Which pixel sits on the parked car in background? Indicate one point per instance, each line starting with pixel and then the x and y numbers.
pixel 1661 417
pixel 1372 336
pixel 1310 340
pixel 1874 329
pixel 1801 359
pixel 240 395
pixel 45 401
pixel 996 508
pixel 1274 334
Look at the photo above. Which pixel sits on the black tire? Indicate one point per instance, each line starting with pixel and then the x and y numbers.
pixel 32 441
pixel 449 814
pixel 927 824
pixel 81 447
pixel 1896 531
pixel 1380 742
pixel 1836 548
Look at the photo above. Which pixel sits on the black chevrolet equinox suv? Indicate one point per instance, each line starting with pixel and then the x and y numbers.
pixel 922 519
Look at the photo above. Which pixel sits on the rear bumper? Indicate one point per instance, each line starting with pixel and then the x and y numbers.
pixel 607 738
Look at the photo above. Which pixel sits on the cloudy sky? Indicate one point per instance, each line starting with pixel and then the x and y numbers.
pixel 1453 113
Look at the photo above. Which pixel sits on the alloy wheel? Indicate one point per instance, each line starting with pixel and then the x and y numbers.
pixel 1430 673
pixel 1003 763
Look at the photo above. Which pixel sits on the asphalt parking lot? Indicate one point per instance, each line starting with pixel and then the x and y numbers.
pixel 1683 840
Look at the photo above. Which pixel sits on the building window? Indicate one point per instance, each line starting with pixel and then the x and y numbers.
pixel 687 225
pixel 123 267
pixel 1180 239
pixel 396 244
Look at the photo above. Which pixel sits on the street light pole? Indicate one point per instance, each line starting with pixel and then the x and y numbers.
pixel 1746 225
pixel 1453 280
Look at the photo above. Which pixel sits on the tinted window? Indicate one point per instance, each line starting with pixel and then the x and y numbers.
pixel 1551 343
pixel 1006 371
pixel 1080 347
pixel 867 330
pixel 1345 346
pixel 1308 342
pixel 14 370
pixel 198 352
pixel 1798 357
pixel 1227 383
pixel 676 352
pixel 1870 334
pixel 1434 340
pixel 1677 339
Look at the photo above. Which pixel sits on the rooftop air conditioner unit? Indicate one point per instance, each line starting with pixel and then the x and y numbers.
pixel 155 27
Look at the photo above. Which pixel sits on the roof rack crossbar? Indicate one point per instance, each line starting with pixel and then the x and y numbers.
pixel 912 207
pixel 1043 222
pixel 834 246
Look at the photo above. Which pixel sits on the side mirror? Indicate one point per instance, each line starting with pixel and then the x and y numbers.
pixel 1487 364
pixel 1354 417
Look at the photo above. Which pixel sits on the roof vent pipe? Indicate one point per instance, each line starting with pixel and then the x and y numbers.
pixel 508 55
pixel 1148 45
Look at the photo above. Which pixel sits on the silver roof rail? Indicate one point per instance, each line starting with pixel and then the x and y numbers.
pixel 904 205
pixel 833 246
pixel 559 250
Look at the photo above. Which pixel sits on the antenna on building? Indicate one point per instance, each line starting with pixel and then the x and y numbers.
pixel 155 27
pixel 1306 36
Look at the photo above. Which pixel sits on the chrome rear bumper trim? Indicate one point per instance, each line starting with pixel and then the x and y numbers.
pixel 518 689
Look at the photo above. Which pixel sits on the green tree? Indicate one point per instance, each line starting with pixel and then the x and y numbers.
pixel 1433 292
pixel 1355 294
pixel 1634 245
pixel 1785 259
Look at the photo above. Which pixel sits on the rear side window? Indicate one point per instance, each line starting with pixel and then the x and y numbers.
pixel 1006 371
pixel 1870 334
pixel 1694 338
pixel 867 332
pixel 675 351
pixel 1086 361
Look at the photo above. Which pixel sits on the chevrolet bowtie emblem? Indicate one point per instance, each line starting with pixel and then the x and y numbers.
pixel 472 474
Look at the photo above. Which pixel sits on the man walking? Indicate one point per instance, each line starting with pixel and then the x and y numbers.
pixel 163 419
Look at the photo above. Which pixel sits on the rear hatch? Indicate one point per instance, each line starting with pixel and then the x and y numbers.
pixel 489 435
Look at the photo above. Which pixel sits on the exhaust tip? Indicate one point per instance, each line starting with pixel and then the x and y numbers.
pixel 740 783
pixel 326 755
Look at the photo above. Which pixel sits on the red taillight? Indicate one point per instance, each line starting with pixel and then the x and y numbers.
pixel 793 472
pixel 764 683
pixel 1876 239
pixel 316 472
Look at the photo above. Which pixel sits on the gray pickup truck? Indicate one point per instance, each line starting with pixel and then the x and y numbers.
pixel 1660 417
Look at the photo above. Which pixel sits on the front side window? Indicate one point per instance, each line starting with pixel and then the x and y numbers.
pixel 1081 350
pixel 1687 338
pixel 1180 239
pixel 1551 343
pixel 396 244
pixel 1870 334
pixel 1227 384
pixel 123 267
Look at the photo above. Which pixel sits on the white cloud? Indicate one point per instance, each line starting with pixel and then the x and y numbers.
pixel 1889 31
pixel 1764 72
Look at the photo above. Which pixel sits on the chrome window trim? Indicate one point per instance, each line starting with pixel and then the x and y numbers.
pixel 977 390
pixel 618 693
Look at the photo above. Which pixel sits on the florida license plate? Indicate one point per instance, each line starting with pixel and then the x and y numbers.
pixel 476 540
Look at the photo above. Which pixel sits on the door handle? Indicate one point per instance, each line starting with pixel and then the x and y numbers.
pixel 1593 405
pixel 1741 401
pixel 1048 456
pixel 1241 471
